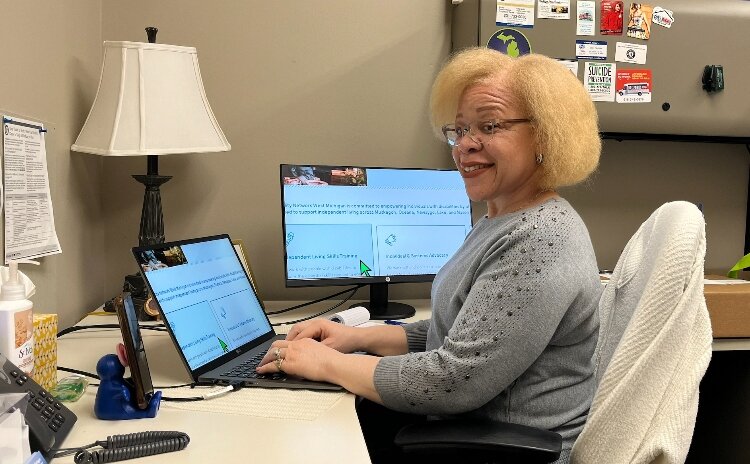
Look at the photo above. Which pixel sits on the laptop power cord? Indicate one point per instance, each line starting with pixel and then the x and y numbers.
pixel 207 396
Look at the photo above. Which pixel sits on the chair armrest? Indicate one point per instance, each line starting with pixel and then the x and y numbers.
pixel 481 439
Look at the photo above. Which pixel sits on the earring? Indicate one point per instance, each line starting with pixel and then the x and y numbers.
pixel 539 158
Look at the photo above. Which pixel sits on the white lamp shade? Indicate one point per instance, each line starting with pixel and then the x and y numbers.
pixel 150 101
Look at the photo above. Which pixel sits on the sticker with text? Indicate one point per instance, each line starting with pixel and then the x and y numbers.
pixel 591 49
pixel 639 26
pixel 553 9
pixel 631 53
pixel 518 13
pixel 662 17
pixel 599 81
pixel 586 14
pixel 634 86
pixel 611 22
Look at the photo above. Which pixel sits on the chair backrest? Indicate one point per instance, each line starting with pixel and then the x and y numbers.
pixel 654 345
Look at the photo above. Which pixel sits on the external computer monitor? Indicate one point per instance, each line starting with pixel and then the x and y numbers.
pixel 347 225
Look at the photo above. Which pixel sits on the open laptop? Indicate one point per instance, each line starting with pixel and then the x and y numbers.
pixel 212 311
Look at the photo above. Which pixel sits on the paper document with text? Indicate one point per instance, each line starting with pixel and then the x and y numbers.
pixel 29 219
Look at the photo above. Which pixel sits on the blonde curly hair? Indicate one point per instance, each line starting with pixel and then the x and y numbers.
pixel 563 116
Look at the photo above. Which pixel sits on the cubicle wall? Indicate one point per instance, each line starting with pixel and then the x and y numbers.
pixel 702 33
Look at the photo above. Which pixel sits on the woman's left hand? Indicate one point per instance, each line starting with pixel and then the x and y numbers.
pixel 304 358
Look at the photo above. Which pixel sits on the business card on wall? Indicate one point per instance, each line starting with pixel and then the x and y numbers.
pixel 591 49
pixel 631 53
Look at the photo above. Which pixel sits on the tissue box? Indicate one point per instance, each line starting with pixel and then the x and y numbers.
pixel 45 350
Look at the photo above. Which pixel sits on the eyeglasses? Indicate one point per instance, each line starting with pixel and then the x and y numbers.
pixel 453 134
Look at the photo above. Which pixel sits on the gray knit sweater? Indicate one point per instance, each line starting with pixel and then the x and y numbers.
pixel 513 329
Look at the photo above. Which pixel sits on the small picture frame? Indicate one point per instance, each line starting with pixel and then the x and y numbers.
pixel 239 247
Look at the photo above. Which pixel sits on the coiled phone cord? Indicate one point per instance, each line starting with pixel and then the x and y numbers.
pixel 131 446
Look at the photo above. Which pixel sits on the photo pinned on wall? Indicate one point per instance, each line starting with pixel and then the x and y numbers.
pixel 633 86
pixel 611 18
pixel 639 25
pixel 586 19
pixel 554 9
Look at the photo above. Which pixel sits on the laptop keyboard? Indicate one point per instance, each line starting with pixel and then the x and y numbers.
pixel 246 370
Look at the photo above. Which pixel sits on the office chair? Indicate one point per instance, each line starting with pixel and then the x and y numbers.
pixel 653 349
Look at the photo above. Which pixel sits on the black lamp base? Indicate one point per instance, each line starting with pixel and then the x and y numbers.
pixel 151 232
pixel 135 285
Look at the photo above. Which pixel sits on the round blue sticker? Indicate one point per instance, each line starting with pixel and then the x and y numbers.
pixel 510 42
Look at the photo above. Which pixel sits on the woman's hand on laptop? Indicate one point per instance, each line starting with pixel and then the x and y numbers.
pixel 313 360
pixel 340 337
pixel 306 358
pixel 383 340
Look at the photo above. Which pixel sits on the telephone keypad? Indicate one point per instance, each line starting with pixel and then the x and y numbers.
pixel 49 421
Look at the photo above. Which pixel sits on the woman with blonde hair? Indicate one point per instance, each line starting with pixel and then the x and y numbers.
pixel 514 312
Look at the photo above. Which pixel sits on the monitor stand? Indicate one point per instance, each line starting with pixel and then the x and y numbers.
pixel 381 308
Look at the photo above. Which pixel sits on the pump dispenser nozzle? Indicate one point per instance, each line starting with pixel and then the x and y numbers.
pixel 13 288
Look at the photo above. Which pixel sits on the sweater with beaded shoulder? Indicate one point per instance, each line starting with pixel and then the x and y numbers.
pixel 513 329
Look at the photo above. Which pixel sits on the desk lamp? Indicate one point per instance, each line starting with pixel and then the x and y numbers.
pixel 150 102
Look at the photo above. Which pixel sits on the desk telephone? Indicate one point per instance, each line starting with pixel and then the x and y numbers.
pixel 49 420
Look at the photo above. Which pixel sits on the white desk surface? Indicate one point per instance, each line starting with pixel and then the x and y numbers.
pixel 334 436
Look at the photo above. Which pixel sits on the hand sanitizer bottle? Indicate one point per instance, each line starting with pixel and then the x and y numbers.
pixel 16 321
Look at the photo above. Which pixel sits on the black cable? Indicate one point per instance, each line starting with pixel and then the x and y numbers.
pixel 191 385
pixel 94 376
pixel 130 446
pixel 182 400
pixel 75 328
pixel 76 371
pixel 355 288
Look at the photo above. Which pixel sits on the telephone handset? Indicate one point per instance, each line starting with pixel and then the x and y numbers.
pixel 49 420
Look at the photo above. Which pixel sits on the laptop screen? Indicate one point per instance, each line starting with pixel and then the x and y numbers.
pixel 205 296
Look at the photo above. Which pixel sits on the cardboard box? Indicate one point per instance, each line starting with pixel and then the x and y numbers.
pixel 45 350
pixel 729 309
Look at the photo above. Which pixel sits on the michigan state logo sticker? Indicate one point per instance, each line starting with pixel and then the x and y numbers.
pixel 510 42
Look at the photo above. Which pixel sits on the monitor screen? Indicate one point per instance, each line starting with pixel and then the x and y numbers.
pixel 205 297
pixel 347 225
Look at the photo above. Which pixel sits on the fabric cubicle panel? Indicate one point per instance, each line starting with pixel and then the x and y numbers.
pixel 703 33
